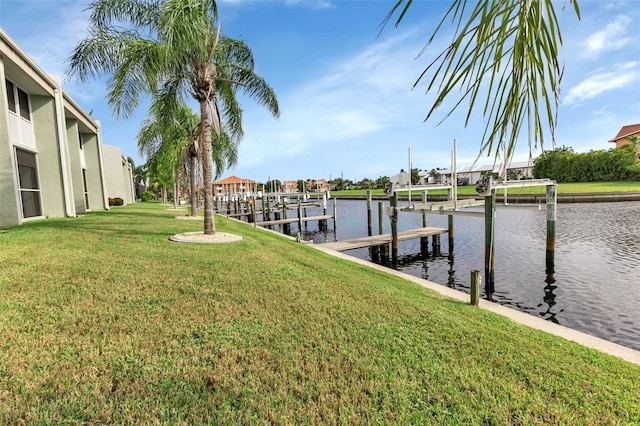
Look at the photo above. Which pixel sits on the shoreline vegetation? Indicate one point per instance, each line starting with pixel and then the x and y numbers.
pixel 104 320
pixel 597 191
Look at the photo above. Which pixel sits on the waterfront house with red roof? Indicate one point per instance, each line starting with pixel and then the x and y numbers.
pixel 290 186
pixel 626 135
pixel 234 185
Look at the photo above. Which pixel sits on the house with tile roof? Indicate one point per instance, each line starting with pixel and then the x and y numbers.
pixel 626 134
pixel 51 152
pixel 319 185
pixel 290 186
pixel 234 185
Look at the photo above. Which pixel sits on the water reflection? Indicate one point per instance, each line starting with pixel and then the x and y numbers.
pixel 549 299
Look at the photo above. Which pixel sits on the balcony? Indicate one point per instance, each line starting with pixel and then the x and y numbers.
pixel 21 131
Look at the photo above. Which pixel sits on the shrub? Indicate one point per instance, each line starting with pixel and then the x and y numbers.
pixel 116 201
pixel 147 196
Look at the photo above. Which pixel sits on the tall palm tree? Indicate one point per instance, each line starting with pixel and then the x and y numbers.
pixel 171 131
pixel 507 49
pixel 174 47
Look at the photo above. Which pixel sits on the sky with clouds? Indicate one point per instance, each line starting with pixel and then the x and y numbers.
pixel 345 87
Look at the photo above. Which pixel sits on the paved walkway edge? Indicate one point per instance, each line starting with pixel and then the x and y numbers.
pixel 567 333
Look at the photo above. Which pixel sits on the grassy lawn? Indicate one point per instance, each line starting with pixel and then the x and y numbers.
pixel 104 320
pixel 563 188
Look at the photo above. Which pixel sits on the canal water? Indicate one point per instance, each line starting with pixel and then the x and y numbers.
pixel 597 264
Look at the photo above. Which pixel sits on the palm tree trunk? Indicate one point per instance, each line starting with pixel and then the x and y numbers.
pixel 176 190
pixel 192 186
pixel 207 169
pixel 164 194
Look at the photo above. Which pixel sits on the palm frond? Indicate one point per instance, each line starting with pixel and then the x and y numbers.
pixel 507 52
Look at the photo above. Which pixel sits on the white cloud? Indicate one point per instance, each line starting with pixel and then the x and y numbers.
pixel 602 81
pixel 309 4
pixel 312 4
pixel 612 37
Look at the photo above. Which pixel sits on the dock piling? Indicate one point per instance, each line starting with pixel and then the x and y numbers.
pixel 476 279
pixel 424 241
pixel 369 227
pixel 286 227
pixel 552 198
pixel 489 243
pixel 394 229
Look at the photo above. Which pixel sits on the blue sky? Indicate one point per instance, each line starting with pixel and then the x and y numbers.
pixel 345 92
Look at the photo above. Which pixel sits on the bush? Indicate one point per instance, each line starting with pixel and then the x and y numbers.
pixel 147 196
pixel 116 201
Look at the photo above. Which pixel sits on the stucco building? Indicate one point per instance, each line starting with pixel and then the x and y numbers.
pixel 51 152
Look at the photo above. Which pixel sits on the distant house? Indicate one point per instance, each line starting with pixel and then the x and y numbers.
pixel 290 186
pixel 234 185
pixel 51 152
pixel 470 175
pixel 319 185
pixel 625 135
pixel 401 179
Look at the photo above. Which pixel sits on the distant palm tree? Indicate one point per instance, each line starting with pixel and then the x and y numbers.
pixel 174 47
pixel 166 134
pixel 504 55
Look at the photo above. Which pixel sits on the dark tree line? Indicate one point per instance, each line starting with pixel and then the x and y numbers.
pixel 564 165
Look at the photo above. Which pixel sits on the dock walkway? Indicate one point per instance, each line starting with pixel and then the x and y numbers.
pixel 378 240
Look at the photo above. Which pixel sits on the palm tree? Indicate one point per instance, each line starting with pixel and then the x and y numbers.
pixel 166 134
pixel 174 48
pixel 508 49
pixel 172 131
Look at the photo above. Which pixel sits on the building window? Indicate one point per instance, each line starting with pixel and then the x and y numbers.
pixel 11 96
pixel 18 101
pixel 86 191
pixel 29 185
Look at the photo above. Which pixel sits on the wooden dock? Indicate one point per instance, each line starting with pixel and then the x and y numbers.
pixel 378 240
pixel 293 220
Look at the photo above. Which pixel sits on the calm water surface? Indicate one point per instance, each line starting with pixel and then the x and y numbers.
pixel 597 264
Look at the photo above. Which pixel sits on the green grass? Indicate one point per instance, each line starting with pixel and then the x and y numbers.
pixel 104 320
pixel 563 188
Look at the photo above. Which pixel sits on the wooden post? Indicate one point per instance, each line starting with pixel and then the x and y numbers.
pixel 268 211
pixel 335 217
pixel 435 243
pixel 286 227
pixel 323 222
pixel 377 252
pixel 424 241
pixel 489 243
pixel 450 233
pixel 476 279
pixel 394 229
pixel 551 229
pixel 255 212
pixel 299 217
pixel 369 227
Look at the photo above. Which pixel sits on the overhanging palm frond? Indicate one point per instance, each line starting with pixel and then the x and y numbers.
pixel 507 52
